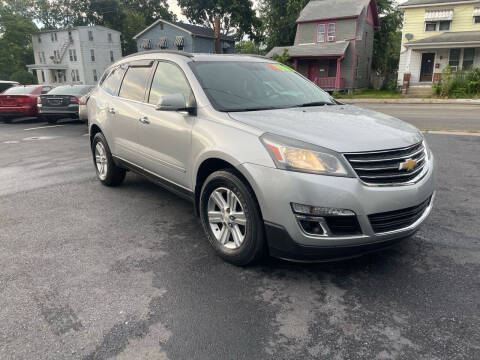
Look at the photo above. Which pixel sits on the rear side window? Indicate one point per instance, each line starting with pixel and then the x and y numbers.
pixel 135 83
pixel 169 80
pixel 113 80
pixel 20 90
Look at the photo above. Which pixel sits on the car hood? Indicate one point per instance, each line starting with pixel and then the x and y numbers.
pixel 341 128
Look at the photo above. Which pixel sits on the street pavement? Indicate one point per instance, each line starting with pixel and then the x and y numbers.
pixel 89 272
pixel 433 116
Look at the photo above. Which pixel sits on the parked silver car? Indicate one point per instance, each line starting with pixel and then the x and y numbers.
pixel 272 163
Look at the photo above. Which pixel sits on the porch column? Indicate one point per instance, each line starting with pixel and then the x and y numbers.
pixel 295 64
pixel 338 75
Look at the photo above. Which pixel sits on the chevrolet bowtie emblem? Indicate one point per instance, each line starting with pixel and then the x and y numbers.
pixel 408 165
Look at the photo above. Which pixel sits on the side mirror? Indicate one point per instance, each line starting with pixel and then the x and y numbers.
pixel 173 102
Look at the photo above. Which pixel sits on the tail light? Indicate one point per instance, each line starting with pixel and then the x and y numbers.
pixel 81 102
pixel 74 100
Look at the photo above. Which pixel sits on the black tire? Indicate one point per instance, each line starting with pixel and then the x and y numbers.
pixel 253 247
pixel 6 120
pixel 114 174
pixel 50 120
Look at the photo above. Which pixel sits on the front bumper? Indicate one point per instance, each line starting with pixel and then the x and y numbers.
pixel 277 189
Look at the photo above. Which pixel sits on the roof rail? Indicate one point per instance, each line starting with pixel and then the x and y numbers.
pixel 173 52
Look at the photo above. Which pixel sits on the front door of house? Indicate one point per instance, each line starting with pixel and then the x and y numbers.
pixel 312 70
pixel 426 72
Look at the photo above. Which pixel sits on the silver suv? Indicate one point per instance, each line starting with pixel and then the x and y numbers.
pixel 272 163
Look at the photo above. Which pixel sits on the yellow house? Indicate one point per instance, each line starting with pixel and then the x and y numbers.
pixel 437 33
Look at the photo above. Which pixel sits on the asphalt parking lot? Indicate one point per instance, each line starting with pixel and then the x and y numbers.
pixel 89 272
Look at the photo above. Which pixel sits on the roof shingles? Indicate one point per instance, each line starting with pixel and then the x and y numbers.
pixel 332 9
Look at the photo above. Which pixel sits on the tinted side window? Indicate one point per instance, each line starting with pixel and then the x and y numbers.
pixel 135 83
pixel 112 82
pixel 168 80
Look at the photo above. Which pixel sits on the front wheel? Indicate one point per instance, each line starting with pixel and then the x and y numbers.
pixel 231 218
pixel 108 173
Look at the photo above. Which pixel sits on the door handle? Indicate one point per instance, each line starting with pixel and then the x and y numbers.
pixel 111 110
pixel 144 120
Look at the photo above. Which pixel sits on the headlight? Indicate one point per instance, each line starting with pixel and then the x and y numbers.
pixel 293 155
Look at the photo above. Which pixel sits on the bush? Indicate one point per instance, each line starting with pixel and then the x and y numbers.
pixel 460 84
pixel 284 58
pixel 23 77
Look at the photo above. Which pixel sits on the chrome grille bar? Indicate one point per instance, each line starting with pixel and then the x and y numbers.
pixel 384 167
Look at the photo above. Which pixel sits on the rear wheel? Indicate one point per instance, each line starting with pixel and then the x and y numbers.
pixel 108 173
pixel 50 120
pixel 231 218
pixel 6 120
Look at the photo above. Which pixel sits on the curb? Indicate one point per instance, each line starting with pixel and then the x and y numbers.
pixel 411 101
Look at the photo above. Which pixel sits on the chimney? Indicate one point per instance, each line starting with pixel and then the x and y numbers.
pixel 218 48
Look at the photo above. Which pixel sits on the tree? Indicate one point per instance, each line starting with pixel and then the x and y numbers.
pixel 15 41
pixel 386 49
pixel 284 58
pixel 279 20
pixel 23 77
pixel 248 47
pixel 237 15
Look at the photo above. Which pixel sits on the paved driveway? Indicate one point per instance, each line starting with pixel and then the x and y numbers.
pixel 88 272
pixel 433 116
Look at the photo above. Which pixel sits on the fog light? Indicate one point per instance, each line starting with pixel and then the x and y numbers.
pixel 320 211
pixel 312 227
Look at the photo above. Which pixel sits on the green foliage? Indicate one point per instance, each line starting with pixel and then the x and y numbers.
pixel 388 39
pixel 279 21
pixel 460 84
pixel 15 40
pixel 248 47
pixel 237 15
pixel 284 58
pixel 23 77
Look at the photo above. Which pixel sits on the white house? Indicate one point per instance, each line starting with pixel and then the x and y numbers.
pixel 77 55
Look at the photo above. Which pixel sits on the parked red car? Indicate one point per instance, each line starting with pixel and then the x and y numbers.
pixel 20 101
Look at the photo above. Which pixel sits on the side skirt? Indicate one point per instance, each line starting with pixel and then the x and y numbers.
pixel 168 185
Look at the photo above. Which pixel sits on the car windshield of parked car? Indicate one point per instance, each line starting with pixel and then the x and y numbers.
pixel 70 90
pixel 250 86
pixel 20 90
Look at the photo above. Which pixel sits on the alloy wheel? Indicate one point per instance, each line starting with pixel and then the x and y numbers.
pixel 227 218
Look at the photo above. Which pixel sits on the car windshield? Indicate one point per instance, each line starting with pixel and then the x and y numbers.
pixel 250 86
pixel 20 90
pixel 70 90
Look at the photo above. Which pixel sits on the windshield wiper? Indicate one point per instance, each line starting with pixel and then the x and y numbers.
pixel 315 103
pixel 253 109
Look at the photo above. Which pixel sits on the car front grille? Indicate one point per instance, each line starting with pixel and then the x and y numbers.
pixel 385 167
pixel 398 219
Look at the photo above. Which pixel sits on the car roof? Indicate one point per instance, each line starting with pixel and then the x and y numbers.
pixel 189 57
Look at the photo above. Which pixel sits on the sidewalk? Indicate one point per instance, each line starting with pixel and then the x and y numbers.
pixel 411 101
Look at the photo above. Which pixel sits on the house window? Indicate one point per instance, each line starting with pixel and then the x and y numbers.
pixel 92 55
pixel 43 76
pixel 161 26
pixel 70 37
pixel 331 32
pixel 73 54
pixel 454 60
pixel 468 57
pixel 109 37
pixel 95 78
pixel 56 54
pixel 90 35
pixel 75 75
pixel 43 57
pixel 321 33
pixel 476 15
pixel 112 59
pixel 39 39
pixel 444 25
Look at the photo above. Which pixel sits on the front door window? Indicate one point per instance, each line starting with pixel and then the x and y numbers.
pixel 426 73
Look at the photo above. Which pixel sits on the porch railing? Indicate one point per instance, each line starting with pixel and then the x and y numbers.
pixel 329 83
